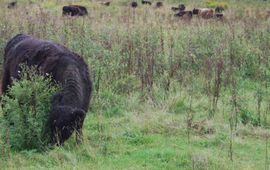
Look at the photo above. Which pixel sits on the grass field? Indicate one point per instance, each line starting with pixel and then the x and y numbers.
pixel 168 93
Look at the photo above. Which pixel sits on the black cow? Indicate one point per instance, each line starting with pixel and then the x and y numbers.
pixel 12 4
pixel 181 7
pixel 184 14
pixel 159 4
pixel 134 4
pixel 70 105
pixel 195 11
pixel 74 10
pixel 219 15
pixel 219 9
pixel 146 2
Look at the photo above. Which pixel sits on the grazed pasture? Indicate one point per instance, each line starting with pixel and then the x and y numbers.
pixel 168 93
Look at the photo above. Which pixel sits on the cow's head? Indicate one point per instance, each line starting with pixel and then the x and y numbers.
pixel 63 120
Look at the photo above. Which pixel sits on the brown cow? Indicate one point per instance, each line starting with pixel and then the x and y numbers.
pixel 205 13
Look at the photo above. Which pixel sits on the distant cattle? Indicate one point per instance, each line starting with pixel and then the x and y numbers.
pixel 181 7
pixel 205 13
pixel 107 3
pixel 134 4
pixel 195 11
pixel 219 9
pixel 184 14
pixel 159 4
pixel 146 2
pixel 175 8
pixel 12 4
pixel 74 10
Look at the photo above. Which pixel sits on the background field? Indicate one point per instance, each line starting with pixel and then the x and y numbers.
pixel 168 93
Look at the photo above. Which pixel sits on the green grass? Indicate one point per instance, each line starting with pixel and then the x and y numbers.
pixel 151 71
pixel 122 144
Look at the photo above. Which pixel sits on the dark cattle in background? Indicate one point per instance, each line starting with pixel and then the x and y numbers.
pixel 134 4
pixel 184 14
pixel 175 8
pixel 195 11
pixel 106 3
pixel 219 9
pixel 12 4
pixel 70 105
pixel 205 13
pixel 159 4
pixel 146 2
pixel 180 7
pixel 74 10
pixel 219 15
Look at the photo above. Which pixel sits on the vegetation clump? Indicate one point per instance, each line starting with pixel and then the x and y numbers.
pixel 214 4
pixel 25 111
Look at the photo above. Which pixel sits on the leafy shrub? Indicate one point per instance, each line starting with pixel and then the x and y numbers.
pixel 214 4
pixel 248 117
pixel 25 111
pixel 179 106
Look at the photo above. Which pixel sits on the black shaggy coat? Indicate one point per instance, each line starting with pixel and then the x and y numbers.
pixel 70 105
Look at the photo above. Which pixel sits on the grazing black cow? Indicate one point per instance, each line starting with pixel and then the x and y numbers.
pixel 159 4
pixel 146 2
pixel 74 10
pixel 134 4
pixel 107 3
pixel 12 4
pixel 70 105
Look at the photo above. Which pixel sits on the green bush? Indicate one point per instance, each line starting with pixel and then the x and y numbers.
pixel 179 106
pixel 248 117
pixel 25 111
pixel 214 4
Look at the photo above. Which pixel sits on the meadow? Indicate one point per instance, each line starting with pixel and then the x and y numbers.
pixel 169 93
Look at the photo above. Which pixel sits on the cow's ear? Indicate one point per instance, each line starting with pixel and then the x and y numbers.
pixel 79 114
